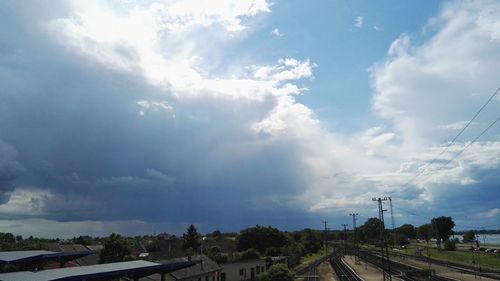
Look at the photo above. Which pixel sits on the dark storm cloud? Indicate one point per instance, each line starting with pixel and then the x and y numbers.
pixel 10 169
pixel 79 134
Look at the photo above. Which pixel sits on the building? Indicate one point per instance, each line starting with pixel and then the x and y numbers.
pixel 76 248
pixel 243 270
pixel 31 260
pixel 281 259
pixel 131 270
pixel 206 270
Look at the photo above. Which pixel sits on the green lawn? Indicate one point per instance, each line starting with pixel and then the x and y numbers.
pixel 462 255
pixel 466 257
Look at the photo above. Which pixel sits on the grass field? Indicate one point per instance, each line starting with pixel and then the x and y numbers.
pixel 466 257
pixel 462 255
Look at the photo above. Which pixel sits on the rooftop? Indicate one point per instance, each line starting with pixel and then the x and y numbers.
pixel 23 258
pixel 97 272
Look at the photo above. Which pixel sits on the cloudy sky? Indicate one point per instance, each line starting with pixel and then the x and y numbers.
pixel 145 116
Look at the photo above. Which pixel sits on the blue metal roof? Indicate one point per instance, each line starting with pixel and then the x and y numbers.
pixel 24 258
pixel 10 256
pixel 97 272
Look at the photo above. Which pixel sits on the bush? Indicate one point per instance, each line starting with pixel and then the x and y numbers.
pixel 450 245
pixel 277 272
pixel 469 236
pixel 249 254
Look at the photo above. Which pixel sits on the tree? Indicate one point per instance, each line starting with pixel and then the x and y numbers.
pixel 424 232
pixel 83 240
pixel 215 254
pixel 312 241
pixel 469 236
pixel 443 228
pixel 294 250
pixel 216 234
pixel 7 240
pixel 399 239
pixel 116 249
pixel 277 272
pixel 191 239
pixel 250 254
pixel 407 230
pixel 370 230
pixel 261 238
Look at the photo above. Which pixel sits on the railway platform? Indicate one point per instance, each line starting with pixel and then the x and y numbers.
pixel 364 270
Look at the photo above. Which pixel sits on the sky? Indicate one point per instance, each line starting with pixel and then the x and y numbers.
pixel 142 117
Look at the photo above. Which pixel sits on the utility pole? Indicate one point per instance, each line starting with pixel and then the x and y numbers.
pixel 345 237
pixel 392 214
pixel 478 253
pixel 325 244
pixel 356 249
pixel 345 230
pixel 384 251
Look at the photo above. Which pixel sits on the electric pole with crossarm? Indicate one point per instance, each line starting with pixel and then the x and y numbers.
pixel 384 251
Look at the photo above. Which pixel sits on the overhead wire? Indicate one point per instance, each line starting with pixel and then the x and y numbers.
pixel 450 143
pixel 467 146
pixel 459 225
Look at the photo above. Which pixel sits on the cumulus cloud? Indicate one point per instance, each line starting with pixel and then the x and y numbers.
pixel 358 22
pixel 25 203
pixel 276 32
pixel 421 87
pixel 491 213
pixel 159 40
pixel 456 126
pixel 154 106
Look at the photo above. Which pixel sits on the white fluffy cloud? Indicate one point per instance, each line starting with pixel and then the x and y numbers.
pixel 358 22
pixel 417 89
pixel 162 42
pixel 421 87
pixel 276 32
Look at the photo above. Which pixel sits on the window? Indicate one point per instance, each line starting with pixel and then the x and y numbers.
pixel 257 269
pixel 206 278
pixel 242 271
pixel 262 269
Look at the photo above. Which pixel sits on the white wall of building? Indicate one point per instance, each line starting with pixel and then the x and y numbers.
pixel 239 271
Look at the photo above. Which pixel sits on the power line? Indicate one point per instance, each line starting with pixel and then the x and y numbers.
pixel 456 137
pixel 460 225
pixel 450 143
pixel 467 146
pixel 428 173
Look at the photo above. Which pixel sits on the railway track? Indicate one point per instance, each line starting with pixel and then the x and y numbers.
pixel 485 272
pixel 310 272
pixel 343 272
pixel 403 271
